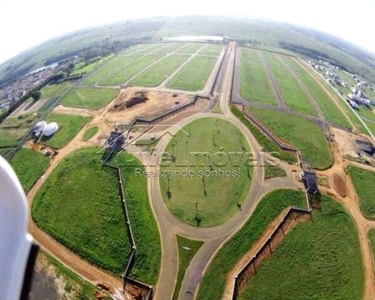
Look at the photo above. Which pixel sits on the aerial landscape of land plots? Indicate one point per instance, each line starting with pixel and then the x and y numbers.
pixel 179 170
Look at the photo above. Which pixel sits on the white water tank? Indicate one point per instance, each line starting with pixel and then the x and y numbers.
pixel 39 127
pixel 50 129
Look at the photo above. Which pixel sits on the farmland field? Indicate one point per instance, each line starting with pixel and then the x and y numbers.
pixel 255 85
pixel 363 182
pixel 51 92
pixel 186 251
pixel 207 198
pixel 83 210
pixel 130 70
pixel 194 75
pixel 69 126
pixel 159 72
pixel 266 143
pixel 330 110
pixel 89 98
pixel 29 165
pixel 293 95
pixel 310 252
pixel 313 146
pixel 213 282
pixel 212 49
pixel 111 66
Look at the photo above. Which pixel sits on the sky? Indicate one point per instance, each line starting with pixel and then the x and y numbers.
pixel 26 23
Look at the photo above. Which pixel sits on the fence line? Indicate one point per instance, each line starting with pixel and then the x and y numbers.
pixel 130 259
pixel 293 214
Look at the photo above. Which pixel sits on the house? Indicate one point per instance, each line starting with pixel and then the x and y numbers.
pixel 309 180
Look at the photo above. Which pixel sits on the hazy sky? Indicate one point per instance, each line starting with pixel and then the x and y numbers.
pixel 25 23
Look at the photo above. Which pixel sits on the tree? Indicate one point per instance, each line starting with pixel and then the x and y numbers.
pixel 36 95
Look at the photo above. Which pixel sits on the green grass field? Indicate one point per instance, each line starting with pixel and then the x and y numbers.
pixel 130 70
pixel 29 165
pixel 87 68
pixel 273 172
pixel 194 75
pixel 79 205
pixel 213 282
pixel 266 143
pixel 371 238
pixel 13 129
pixel 212 49
pixel 206 199
pixel 90 133
pixel 146 233
pixel 186 251
pixel 302 133
pixel 115 64
pixel 293 95
pixel 330 110
pixel 190 48
pixel 89 98
pixel 69 126
pixel 363 182
pixel 52 92
pixel 313 261
pixel 167 48
pixel 255 85
pixel 159 72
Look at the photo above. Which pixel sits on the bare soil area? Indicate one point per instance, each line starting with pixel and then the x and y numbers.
pixel 339 184
pixel 28 107
pixel 156 103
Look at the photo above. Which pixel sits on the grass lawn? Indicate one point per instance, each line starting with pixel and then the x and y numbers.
pixel 191 48
pixel 293 95
pixel 314 261
pixel 194 75
pixel 79 205
pixel 145 229
pixel 330 110
pixel 29 165
pixel 87 68
pixel 90 133
pixel 302 133
pixel 113 65
pixel 208 197
pixel 266 143
pixel 73 286
pixel 69 126
pixel 89 98
pixel 255 85
pixel 371 126
pixel 159 72
pixel 371 238
pixel 272 172
pixel 212 49
pixel 130 70
pixel 363 181
pixel 186 251
pixel 213 282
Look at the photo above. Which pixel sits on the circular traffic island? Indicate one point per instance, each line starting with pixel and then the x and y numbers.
pixel 206 172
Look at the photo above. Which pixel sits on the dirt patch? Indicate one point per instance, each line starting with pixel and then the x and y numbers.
pixel 124 103
pixel 339 184
pixel 132 103
pixel 28 106
pixel 73 111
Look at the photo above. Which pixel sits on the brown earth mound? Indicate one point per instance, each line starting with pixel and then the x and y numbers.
pixel 139 97
pixel 340 185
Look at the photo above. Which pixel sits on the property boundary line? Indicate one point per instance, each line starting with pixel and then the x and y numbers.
pixel 271 243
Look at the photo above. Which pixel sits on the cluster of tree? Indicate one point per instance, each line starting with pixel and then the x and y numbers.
pixel 244 42
pixel 305 51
